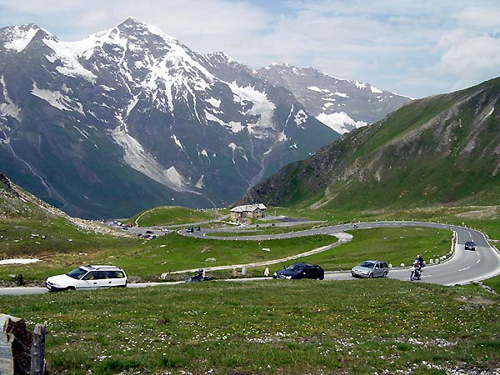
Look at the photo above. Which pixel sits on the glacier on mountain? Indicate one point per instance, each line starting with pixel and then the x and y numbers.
pixel 340 122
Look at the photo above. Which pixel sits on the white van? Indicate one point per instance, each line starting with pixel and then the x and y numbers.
pixel 88 277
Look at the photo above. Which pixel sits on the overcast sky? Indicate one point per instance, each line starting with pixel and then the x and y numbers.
pixel 412 47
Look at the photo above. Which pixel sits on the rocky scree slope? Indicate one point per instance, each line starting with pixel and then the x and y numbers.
pixel 340 104
pixel 131 118
pixel 439 150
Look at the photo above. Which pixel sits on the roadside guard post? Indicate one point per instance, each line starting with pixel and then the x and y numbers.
pixel 21 352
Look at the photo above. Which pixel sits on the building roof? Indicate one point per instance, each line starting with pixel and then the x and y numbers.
pixel 249 208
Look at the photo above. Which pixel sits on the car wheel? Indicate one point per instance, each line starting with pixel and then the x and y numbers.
pixel 385 274
pixel 370 275
pixel 70 288
pixel 321 277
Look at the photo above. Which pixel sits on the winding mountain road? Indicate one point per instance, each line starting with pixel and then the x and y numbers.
pixel 463 267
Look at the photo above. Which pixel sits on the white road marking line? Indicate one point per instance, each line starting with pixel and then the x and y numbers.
pixel 463 269
pixel 478 261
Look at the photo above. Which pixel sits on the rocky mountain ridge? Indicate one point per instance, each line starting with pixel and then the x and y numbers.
pixel 130 118
pixel 18 204
pixel 438 150
pixel 341 104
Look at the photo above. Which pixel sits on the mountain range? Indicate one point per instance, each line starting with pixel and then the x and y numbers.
pixel 130 118
pixel 341 104
pixel 441 150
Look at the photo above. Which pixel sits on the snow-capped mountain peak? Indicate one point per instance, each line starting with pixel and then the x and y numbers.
pixel 137 27
pixel 17 38
pixel 134 110
pixel 341 104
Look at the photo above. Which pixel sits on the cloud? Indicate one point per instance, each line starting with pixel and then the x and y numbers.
pixel 470 59
pixel 180 18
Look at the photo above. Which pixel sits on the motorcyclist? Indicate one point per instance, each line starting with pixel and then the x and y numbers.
pixel 421 260
pixel 200 273
pixel 417 265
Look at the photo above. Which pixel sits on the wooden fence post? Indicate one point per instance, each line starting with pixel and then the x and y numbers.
pixel 38 351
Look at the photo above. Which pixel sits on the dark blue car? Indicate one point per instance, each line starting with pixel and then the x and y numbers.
pixel 300 271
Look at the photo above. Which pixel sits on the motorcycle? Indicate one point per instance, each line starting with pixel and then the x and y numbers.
pixel 198 278
pixel 416 273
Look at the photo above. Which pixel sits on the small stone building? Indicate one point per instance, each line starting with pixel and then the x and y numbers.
pixel 249 211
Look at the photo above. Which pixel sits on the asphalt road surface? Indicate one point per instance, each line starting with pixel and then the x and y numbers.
pixel 463 267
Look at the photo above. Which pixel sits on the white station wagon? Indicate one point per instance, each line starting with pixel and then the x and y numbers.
pixel 88 277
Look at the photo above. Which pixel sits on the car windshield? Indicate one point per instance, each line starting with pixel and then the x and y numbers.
pixel 77 273
pixel 295 267
pixel 367 264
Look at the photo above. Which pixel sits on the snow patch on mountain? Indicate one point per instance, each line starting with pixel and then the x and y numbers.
pixel 214 102
pixel 301 118
pixel 261 107
pixel 21 38
pixel 131 105
pixel 200 184
pixel 213 118
pixel 131 22
pixel 234 126
pixel 340 122
pixel 360 85
pixel 177 72
pixel 57 100
pixel 341 94
pixel 282 137
pixel 317 89
pixel 82 132
pixel 9 108
pixel 68 54
pixel 177 142
pixel 375 90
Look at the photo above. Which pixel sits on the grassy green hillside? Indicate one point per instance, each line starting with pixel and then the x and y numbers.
pixel 438 150
pixel 273 327
pixel 171 215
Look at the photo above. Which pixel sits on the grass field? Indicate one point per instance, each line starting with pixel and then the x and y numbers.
pixel 268 230
pixel 149 259
pixel 486 219
pixel 172 215
pixel 394 246
pixel 494 283
pixel 66 247
pixel 274 327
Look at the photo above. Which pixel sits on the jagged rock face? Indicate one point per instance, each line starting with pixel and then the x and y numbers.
pixel 341 104
pixel 131 118
pixel 439 150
